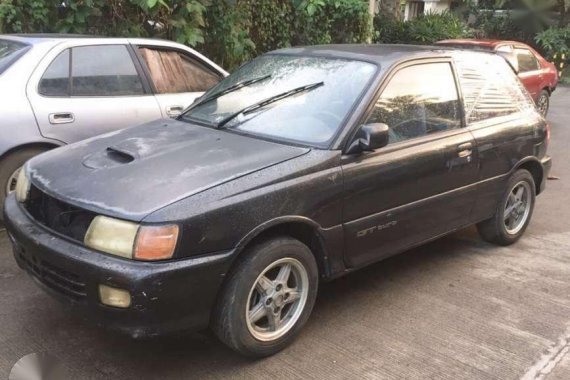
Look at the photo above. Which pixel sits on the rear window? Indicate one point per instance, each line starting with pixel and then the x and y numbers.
pixel 490 87
pixel 10 52
pixel 102 70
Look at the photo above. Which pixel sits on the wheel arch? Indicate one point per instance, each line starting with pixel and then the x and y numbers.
pixel 32 145
pixel 301 228
pixel 535 168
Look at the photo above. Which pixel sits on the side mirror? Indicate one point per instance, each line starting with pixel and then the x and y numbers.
pixel 370 137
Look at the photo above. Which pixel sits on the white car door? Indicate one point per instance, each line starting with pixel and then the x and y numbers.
pixel 177 75
pixel 87 87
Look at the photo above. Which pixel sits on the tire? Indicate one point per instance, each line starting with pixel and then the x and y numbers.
pixel 506 229
pixel 241 293
pixel 8 167
pixel 543 102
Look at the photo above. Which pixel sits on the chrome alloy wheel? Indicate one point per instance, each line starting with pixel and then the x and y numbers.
pixel 277 299
pixel 517 207
pixel 12 181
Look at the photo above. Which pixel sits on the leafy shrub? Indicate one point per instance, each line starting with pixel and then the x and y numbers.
pixel 332 21
pixel 229 31
pixel 179 20
pixel 554 41
pixel 426 29
pixel 227 39
pixel 389 29
pixel 431 28
pixel 271 24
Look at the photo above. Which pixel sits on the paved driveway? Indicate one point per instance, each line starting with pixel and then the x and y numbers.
pixel 455 309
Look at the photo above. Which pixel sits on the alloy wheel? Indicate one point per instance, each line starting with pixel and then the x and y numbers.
pixel 542 104
pixel 277 299
pixel 517 207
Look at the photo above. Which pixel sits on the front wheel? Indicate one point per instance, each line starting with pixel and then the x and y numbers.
pixel 267 298
pixel 513 213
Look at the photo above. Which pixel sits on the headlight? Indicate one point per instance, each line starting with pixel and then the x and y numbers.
pixel 130 240
pixel 23 185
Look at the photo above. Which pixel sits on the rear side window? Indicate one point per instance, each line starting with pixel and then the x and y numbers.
pixel 419 100
pixel 526 60
pixel 174 72
pixel 490 87
pixel 55 81
pixel 10 52
pixel 104 70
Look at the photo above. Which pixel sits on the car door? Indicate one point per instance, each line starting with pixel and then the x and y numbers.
pixel 80 90
pixel 530 71
pixel 417 187
pixel 177 76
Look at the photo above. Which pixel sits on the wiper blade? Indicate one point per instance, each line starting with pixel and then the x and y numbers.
pixel 268 101
pixel 232 88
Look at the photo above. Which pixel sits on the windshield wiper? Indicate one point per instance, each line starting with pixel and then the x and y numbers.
pixel 232 88
pixel 268 101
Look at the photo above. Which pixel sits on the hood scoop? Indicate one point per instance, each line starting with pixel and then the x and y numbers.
pixel 110 157
pixel 120 156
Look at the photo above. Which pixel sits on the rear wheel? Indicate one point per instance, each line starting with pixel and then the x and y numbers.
pixel 267 298
pixel 9 170
pixel 543 102
pixel 513 213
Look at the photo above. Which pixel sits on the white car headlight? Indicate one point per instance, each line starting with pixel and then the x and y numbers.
pixel 131 240
pixel 23 185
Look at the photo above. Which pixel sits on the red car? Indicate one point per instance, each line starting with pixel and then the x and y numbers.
pixel 539 76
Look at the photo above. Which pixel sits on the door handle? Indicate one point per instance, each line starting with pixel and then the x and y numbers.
pixel 173 111
pixel 465 150
pixel 61 118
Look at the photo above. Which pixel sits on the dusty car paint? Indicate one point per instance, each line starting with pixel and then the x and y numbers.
pixel 224 190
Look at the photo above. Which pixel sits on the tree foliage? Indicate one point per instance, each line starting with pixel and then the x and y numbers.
pixel 425 29
pixel 230 31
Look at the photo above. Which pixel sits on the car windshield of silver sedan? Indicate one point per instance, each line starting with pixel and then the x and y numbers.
pixel 291 98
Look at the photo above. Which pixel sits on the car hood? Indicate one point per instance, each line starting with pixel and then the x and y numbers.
pixel 133 172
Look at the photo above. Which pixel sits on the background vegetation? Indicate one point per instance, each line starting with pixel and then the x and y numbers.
pixel 233 31
pixel 228 31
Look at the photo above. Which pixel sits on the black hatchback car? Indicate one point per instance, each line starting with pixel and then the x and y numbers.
pixel 302 166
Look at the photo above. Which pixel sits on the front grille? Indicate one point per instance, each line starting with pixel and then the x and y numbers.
pixel 58 216
pixel 54 277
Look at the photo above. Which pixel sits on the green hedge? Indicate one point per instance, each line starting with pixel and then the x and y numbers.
pixel 229 31
pixel 423 30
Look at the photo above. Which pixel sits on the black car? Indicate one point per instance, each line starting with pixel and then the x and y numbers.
pixel 302 166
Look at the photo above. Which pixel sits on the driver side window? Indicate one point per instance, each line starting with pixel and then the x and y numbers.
pixel 419 100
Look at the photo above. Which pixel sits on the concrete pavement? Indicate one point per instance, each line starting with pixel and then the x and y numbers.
pixel 457 308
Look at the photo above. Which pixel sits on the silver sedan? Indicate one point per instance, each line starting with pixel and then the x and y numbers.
pixel 59 89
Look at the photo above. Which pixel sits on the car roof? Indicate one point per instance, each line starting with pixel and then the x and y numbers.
pixel 381 54
pixel 36 38
pixel 489 43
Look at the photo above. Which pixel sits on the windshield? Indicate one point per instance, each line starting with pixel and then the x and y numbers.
pixel 319 93
pixel 10 51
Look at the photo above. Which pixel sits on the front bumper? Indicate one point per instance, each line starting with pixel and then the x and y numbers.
pixel 165 296
pixel 546 163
